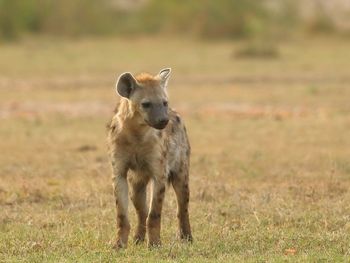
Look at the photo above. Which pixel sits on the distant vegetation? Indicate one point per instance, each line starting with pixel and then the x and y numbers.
pixel 205 18
pixel 63 17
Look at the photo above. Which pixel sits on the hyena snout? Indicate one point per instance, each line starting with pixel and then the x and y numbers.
pixel 158 117
pixel 161 123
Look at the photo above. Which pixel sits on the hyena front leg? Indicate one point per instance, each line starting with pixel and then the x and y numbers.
pixel 138 198
pixel 154 216
pixel 180 183
pixel 120 186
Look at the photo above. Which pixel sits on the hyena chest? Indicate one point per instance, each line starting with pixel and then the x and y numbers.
pixel 145 158
pixel 139 162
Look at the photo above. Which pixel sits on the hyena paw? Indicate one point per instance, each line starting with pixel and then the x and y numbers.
pixel 186 237
pixel 154 243
pixel 138 239
pixel 119 245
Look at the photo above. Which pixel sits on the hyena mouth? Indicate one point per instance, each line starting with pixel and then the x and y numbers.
pixel 161 125
pixel 158 127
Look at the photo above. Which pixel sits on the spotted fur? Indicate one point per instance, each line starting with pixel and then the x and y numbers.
pixel 141 154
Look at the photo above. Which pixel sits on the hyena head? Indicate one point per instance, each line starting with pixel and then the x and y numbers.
pixel 147 95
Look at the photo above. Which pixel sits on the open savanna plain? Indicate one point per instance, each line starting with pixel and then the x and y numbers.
pixel 270 165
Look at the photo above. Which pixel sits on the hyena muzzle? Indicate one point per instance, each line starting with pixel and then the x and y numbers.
pixel 147 142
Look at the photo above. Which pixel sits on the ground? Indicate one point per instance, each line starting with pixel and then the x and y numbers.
pixel 270 168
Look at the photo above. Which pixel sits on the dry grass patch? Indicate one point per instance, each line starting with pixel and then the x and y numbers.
pixel 270 167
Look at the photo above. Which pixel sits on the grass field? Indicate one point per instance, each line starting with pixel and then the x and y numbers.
pixel 270 168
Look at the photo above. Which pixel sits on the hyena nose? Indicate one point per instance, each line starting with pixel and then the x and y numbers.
pixel 162 123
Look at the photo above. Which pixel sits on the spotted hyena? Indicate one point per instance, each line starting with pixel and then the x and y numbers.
pixel 148 143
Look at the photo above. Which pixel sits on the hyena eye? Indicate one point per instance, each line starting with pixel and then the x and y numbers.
pixel 165 103
pixel 146 105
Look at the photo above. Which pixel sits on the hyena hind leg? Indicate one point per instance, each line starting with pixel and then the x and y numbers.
pixel 180 184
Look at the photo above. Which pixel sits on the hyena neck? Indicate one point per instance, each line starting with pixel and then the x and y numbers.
pixel 125 110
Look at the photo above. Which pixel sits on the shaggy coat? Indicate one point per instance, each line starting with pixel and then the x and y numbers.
pixel 147 142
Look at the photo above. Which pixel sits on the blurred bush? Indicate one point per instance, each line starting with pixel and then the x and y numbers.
pixel 63 17
pixel 321 22
pixel 257 49
pixel 206 18
pixel 203 18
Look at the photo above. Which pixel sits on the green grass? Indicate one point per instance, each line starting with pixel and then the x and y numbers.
pixel 270 169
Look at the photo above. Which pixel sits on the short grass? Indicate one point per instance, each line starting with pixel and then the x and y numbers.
pixel 270 170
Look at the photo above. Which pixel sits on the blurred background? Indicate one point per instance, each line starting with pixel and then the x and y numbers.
pixel 224 19
pixel 263 87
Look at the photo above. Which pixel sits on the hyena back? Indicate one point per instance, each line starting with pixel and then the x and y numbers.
pixel 147 142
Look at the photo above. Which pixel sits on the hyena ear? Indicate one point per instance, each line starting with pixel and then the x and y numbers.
pixel 126 84
pixel 164 75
